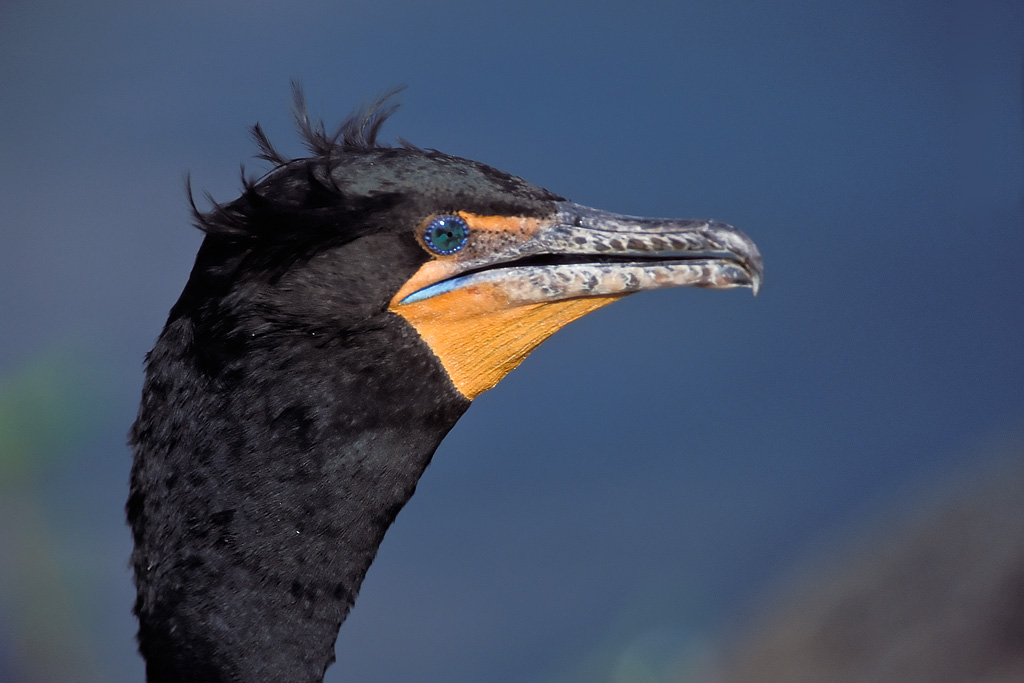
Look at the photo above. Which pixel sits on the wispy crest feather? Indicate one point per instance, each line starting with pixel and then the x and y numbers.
pixel 359 132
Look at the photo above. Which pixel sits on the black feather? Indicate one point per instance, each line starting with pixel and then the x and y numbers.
pixel 287 413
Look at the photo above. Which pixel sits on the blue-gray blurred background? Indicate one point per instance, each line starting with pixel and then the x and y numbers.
pixel 654 472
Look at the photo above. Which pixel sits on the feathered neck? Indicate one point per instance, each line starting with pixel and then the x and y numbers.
pixel 262 488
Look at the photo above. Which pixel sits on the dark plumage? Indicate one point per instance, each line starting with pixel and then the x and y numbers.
pixel 293 398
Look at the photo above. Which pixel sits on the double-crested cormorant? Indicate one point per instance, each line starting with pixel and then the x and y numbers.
pixel 341 315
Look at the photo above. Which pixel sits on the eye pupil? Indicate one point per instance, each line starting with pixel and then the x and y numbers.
pixel 446 234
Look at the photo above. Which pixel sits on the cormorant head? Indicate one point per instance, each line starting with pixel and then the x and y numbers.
pixel 482 264
pixel 340 316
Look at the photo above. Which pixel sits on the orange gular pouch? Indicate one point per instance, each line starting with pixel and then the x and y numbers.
pixel 479 336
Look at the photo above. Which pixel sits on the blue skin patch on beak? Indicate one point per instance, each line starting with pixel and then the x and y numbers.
pixel 435 289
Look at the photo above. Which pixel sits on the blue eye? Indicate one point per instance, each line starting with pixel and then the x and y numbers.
pixel 446 235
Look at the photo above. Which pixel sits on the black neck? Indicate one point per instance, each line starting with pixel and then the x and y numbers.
pixel 262 488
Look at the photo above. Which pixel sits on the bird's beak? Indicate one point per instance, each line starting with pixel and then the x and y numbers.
pixel 522 279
